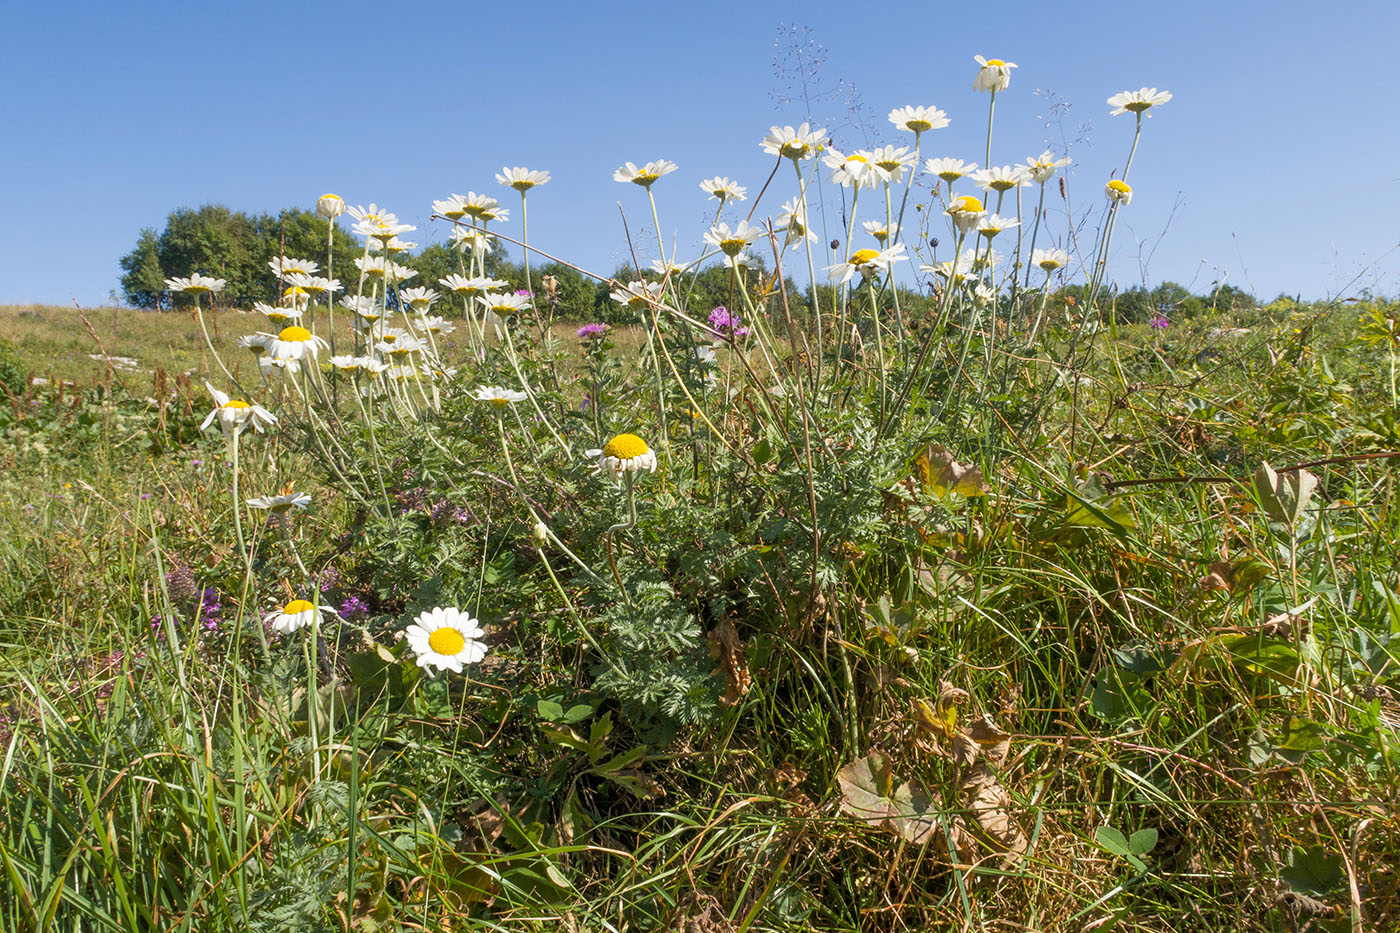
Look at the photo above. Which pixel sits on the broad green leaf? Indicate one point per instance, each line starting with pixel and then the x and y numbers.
pixel 1313 871
pixel 549 710
pixel 870 793
pixel 1284 496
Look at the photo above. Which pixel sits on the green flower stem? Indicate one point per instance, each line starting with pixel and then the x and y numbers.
pixel 525 238
pixel 879 344
pixel 991 110
pixel 894 289
pixel 811 272
pixel 199 316
pixel 525 384
pixel 1035 232
pixel 237 505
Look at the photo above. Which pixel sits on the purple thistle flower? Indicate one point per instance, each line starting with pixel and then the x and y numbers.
pixel 589 331
pixel 1158 322
pixel 726 324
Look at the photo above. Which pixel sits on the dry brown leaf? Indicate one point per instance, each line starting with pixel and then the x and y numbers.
pixel 726 647
pixel 942 474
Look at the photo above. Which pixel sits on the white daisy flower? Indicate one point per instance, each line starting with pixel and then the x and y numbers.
pixel 645 176
pixel 637 295
pixel 1001 178
pixel 499 397
pixel 504 303
pixel 722 189
pixel 1119 191
pixel 950 170
pixel 471 286
pixel 732 242
pixel 992 224
pixel 372 214
pixel 420 299
pixel 282 503
pixel 235 415
pixel 297 614
pixel 993 74
pixel 453 208
pixel 1139 101
pixel 446 638
pixel 626 453
pixel 856 170
pixel 283 266
pixel 436 325
pixel 664 267
pixel 867 262
pixel 464 238
pixel 793 220
pixel 400 348
pixel 918 119
pixel 330 206
pixel 795 144
pixel 1042 167
pixel 276 315
pixel 521 179
pixel 295 343
pixel 880 230
pixel 1049 259
pixel 893 160
pixel 483 207
pixel 965 212
pixel 257 343
pixel 195 284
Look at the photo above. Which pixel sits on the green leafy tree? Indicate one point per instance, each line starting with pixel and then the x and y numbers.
pixel 143 282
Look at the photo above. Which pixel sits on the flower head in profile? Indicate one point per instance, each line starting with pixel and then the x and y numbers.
pixel 521 179
pixel 255 343
pixel 282 503
pixel 297 614
pixel 1119 191
pixel 893 160
pixel 502 303
pixel 499 397
pixel 1158 322
pixel 1042 167
pixel 483 208
pixel 1140 101
pixel 1001 178
pixel 993 74
pixel 283 266
pixel 1050 259
pixel 420 299
pixel 626 453
pixel 796 144
pixel 880 230
pixel 950 170
pixel 277 315
pixel 638 295
pixel 992 224
pixel 735 241
pixel 471 287
pixel 645 176
pixel 195 284
pixel 436 325
pixel 235 415
pixel 965 212
pixel 857 170
pixel 592 331
pixel 867 262
pixel 723 190
pixel 330 206
pixel 446 638
pixel 793 220
pixel 918 119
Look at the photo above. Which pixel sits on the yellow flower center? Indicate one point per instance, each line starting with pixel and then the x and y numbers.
pixel 454 214
pixel 1120 186
pixel 1003 184
pixel 861 256
pixel 965 203
pixel 881 235
pixel 294 334
pixel 793 148
pixel 1049 265
pixel 645 178
pixel 236 403
pixel 918 126
pixel 995 63
pixel 857 157
pixel 333 197
pixel 625 447
pixel 499 402
pixel 447 640
pixel 732 245
pixel 296 606
pixel 1137 106
pixel 889 165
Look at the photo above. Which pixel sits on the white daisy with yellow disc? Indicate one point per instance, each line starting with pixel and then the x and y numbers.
pixel 446 638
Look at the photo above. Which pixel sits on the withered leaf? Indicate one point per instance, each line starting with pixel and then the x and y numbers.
pixel 869 793
pixel 942 474
pixel 726 648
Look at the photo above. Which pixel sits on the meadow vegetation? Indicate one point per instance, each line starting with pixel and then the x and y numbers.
pixel 1008 601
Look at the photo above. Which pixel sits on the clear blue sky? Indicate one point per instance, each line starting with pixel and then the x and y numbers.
pixel 1276 162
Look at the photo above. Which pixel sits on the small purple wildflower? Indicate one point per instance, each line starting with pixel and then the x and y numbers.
pixel 353 606
pixel 525 292
pixel 1159 322
pixel 590 331
pixel 726 324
